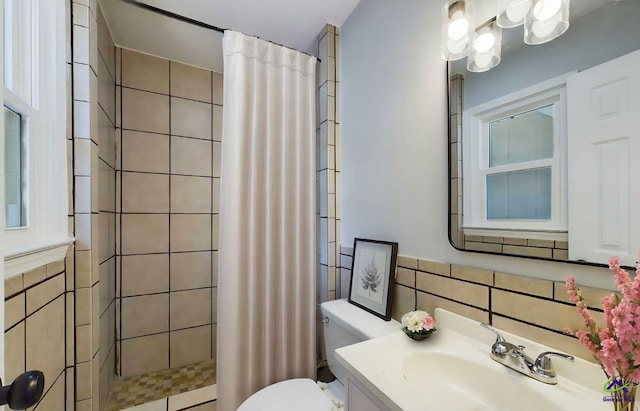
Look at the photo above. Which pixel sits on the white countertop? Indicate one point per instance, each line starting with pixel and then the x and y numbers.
pixel 378 364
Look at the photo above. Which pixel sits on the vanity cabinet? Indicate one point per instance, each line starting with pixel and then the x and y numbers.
pixel 360 398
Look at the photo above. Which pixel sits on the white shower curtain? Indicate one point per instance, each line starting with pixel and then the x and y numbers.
pixel 266 286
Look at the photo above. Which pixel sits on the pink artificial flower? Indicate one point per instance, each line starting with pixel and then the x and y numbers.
pixel 428 323
pixel 615 346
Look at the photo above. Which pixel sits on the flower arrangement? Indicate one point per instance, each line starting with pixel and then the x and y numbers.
pixel 418 325
pixel 616 346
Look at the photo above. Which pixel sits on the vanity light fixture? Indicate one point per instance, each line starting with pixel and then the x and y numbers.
pixel 457 29
pixel 543 20
pixel 487 47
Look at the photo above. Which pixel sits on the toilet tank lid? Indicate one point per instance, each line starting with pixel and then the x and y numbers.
pixel 358 321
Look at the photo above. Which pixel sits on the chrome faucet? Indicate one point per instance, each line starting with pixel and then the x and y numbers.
pixel 513 356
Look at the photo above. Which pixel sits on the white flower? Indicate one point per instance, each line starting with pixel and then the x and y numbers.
pixel 415 320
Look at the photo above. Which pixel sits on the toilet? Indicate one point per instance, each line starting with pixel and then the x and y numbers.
pixel 344 324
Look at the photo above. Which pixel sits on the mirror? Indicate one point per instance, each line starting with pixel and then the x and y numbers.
pixel 514 119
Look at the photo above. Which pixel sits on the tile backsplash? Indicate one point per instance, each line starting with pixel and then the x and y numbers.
pixel 533 308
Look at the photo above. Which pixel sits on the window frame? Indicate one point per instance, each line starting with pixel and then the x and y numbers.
pixel 46 237
pixel 475 157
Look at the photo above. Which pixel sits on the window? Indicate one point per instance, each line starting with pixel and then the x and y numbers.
pixel 515 149
pixel 34 180
pixel 14 205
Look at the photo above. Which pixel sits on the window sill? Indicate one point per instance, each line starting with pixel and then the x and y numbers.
pixel 528 234
pixel 22 261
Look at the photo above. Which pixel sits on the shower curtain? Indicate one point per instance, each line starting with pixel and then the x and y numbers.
pixel 267 283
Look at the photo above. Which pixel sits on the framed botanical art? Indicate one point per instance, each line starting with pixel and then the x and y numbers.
pixel 372 276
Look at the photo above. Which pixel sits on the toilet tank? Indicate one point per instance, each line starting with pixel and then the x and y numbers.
pixel 346 324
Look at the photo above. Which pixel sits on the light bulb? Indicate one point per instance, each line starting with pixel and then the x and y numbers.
pixel 545 9
pixel 543 28
pixel 458 27
pixel 483 60
pixel 516 10
pixel 484 42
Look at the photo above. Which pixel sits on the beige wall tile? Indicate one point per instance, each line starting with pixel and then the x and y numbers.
pixel 190 118
pixel 83 343
pixel 346 250
pixel 189 232
pixel 217 123
pixel 146 152
pixel 536 311
pixel 191 194
pixel 145 233
pixel 215 195
pixel 83 382
pixel 13 285
pixel 145 72
pixel 83 306
pixel 560 254
pixel 475 275
pixel 190 82
pixel 191 270
pixel 190 346
pixel 45 340
pixel 190 156
pixel 406 277
pixel 145 111
pixel 214 304
pixel 473 294
pixel 217 88
pixel 14 353
pixel 35 276
pixel 404 300
pixel 14 310
pixel 147 314
pixel 190 308
pixel 83 269
pixel 494 248
pixel 515 241
pixel 434 267
pixel 145 193
pixel 407 262
pixel 55 268
pixel 429 303
pixel 542 288
pixel 540 243
pixel 209 406
pixel 560 342
pixel 216 159
pixel 145 274
pixel 528 251
pixel 44 292
pixel 592 296
pixel 53 400
pixel 562 245
pixel 145 354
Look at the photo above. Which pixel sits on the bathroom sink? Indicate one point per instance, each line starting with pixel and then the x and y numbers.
pixel 444 381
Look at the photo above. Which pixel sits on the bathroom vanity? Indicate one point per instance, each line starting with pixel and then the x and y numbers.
pixel 453 370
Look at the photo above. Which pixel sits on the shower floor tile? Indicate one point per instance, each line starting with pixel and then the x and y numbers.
pixel 139 389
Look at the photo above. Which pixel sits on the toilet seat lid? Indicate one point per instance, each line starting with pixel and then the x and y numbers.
pixel 290 395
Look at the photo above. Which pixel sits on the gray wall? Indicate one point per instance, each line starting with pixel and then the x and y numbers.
pixel 394 140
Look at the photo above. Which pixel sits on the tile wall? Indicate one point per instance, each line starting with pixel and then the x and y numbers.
pixel 328 163
pixel 169 195
pixel 36 309
pixel 533 308
pixel 92 155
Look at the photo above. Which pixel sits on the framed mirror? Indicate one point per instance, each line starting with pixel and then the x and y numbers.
pixel 542 146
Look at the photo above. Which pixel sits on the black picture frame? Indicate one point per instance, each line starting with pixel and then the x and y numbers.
pixel 373 268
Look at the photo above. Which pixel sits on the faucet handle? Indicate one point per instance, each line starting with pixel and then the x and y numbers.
pixel 543 362
pixel 499 337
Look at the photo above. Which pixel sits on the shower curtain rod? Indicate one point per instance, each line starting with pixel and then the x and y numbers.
pixel 194 22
